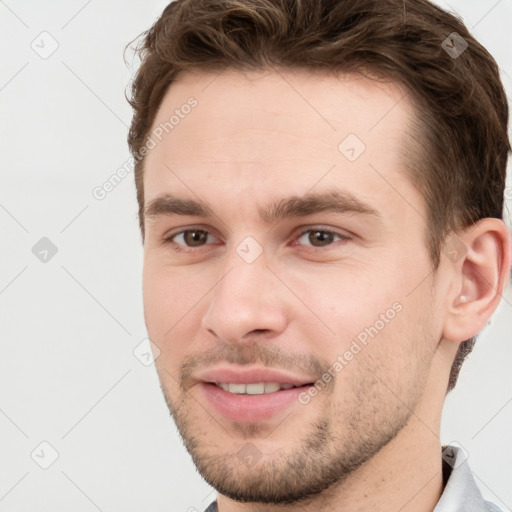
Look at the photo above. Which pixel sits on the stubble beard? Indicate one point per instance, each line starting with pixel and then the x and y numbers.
pixel 325 452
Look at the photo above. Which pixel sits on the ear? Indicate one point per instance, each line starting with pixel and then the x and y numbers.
pixel 480 258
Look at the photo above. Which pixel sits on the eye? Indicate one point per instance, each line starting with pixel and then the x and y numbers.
pixel 318 237
pixel 188 238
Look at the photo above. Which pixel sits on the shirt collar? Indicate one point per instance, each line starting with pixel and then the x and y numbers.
pixel 460 492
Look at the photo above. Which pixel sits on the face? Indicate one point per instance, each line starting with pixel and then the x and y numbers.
pixel 285 246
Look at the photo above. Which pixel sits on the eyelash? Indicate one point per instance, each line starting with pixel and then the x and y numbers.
pixel 187 249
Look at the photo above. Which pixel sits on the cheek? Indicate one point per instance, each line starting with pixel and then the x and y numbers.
pixel 168 291
pixel 164 298
pixel 172 302
pixel 373 314
pixel 348 298
pixel 157 301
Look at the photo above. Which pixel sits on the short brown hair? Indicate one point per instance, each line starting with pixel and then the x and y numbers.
pixel 459 150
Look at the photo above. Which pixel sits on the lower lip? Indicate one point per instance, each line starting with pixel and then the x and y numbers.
pixel 250 408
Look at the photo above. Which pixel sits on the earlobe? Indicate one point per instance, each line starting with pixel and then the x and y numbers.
pixel 482 272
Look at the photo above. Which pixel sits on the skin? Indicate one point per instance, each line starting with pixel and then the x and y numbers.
pixel 369 440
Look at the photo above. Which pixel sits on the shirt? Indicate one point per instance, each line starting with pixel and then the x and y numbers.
pixel 460 494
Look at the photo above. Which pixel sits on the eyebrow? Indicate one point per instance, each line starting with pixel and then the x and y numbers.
pixel 334 201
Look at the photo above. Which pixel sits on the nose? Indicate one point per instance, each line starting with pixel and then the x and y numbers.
pixel 248 300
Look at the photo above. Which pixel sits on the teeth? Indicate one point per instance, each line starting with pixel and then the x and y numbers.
pixel 272 387
pixel 238 389
pixel 255 388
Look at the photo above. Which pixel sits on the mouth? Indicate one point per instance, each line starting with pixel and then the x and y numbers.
pixel 255 388
pixel 251 394
pixel 253 402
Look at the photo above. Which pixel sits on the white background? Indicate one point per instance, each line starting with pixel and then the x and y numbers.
pixel 69 326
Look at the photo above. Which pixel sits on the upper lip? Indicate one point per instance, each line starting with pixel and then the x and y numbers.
pixel 230 375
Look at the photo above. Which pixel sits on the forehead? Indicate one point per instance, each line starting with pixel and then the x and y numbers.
pixel 279 130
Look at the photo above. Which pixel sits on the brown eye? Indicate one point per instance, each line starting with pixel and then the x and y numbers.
pixel 320 237
pixel 194 238
pixel 190 238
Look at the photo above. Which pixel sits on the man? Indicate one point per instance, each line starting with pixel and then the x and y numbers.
pixel 320 188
